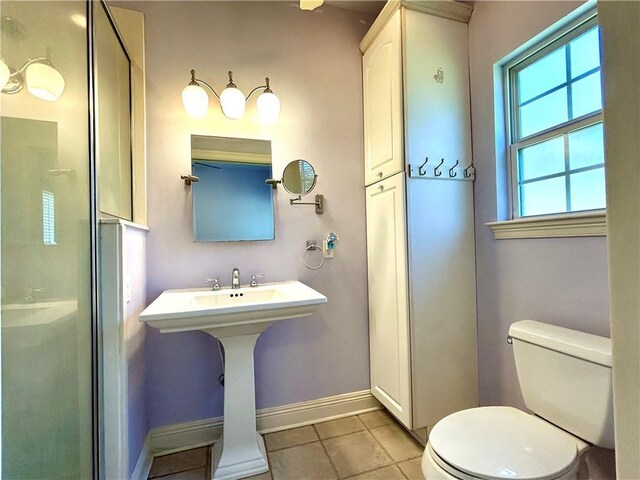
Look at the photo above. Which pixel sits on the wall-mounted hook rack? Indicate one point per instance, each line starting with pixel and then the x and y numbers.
pixel 189 179
pixel 436 171
pixel 456 172
pixel 319 203
pixel 452 172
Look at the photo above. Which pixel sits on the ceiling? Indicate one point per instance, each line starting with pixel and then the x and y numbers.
pixel 370 7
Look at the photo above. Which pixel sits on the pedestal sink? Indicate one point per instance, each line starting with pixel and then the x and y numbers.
pixel 236 317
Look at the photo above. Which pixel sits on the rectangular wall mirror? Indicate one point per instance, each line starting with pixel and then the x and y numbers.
pixel 231 202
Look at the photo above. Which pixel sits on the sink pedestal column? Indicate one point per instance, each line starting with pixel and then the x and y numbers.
pixel 240 452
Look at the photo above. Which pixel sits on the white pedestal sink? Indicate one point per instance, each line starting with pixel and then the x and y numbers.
pixel 237 318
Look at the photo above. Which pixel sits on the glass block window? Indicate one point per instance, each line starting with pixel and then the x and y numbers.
pixel 48 218
pixel 555 112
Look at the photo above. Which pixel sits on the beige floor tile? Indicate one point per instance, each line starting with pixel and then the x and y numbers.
pixel 303 462
pixel 379 418
pixel 386 473
pixel 397 442
pixel 198 474
pixel 290 438
pixel 412 469
pixel 179 462
pixel 341 426
pixel 356 453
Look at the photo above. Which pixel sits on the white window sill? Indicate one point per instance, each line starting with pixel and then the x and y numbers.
pixel 586 224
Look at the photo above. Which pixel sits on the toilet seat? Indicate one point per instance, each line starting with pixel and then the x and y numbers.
pixel 496 443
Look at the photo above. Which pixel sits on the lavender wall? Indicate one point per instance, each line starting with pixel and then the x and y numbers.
pixel 134 332
pixel 313 61
pixel 559 281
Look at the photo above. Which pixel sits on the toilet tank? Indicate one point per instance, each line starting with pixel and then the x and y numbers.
pixel 565 378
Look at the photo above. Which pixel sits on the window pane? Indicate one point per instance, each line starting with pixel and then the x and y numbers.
pixel 546 196
pixel 544 113
pixel 587 190
pixel 542 75
pixel 585 53
pixel 586 95
pixel 586 147
pixel 541 159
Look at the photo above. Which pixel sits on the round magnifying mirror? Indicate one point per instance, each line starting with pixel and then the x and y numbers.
pixel 299 177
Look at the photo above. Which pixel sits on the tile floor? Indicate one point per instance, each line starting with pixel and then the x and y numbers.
pixel 371 446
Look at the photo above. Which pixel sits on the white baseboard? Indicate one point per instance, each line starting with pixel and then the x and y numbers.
pixel 184 436
pixel 145 459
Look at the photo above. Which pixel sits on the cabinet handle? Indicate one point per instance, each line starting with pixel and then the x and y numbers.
pixel 380 187
pixel 380 174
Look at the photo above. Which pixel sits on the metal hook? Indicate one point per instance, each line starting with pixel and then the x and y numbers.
pixel 436 171
pixel 466 170
pixel 421 171
pixel 451 170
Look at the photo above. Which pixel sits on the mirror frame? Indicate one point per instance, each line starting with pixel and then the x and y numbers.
pixel 313 185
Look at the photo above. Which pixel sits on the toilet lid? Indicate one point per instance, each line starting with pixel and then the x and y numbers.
pixel 503 442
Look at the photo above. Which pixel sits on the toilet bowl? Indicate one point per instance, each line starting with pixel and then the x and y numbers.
pixel 498 443
pixel 565 378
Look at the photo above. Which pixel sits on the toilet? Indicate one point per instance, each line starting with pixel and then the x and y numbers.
pixel 565 379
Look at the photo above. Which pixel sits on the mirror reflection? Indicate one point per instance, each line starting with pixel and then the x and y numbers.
pixel 299 177
pixel 231 202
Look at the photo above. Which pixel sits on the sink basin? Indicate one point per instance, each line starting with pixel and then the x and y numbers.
pixel 236 318
pixel 227 311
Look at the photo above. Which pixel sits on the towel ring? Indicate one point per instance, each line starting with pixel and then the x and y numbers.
pixel 312 246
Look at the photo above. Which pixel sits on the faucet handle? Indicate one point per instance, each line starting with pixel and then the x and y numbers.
pixel 214 280
pixel 254 279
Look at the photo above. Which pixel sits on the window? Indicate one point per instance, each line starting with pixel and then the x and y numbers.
pixel 555 115
pixel 48 218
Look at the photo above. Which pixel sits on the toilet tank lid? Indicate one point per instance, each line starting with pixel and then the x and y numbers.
pixel 592 348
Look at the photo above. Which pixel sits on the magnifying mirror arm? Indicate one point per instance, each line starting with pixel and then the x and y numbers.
pixel 319 203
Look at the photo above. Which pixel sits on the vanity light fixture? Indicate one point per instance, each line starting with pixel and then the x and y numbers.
pixel 5 73
pixel 41 78
pixel 232 100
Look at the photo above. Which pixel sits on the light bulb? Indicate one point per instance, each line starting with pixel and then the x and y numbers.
pixel 268 107
pixel 195 100
pixel 310 4
pixel 44 82
pixel 232 102
pixel 5 73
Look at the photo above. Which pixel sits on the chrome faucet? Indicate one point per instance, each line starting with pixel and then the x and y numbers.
pixel 235 278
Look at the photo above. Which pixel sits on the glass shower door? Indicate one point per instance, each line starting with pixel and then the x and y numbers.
pixel 46 321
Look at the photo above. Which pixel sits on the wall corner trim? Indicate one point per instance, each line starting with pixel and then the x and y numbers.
pixel 184 436
pixel 590 224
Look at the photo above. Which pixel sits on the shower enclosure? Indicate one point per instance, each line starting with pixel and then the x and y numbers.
pixel 49 329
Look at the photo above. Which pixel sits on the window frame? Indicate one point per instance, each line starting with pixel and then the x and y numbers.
pixel 551 42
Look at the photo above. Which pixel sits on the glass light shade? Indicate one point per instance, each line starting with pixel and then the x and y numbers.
pixel 268 107
pixel 195 100
pixel 232 102
pixel 310 4
pixel 44 82
pixel 5 73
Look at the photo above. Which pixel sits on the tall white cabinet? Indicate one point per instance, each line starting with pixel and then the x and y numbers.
pixel 420 237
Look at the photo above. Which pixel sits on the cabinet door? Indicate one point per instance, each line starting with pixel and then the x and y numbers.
pixel 388 304
pixel 382 83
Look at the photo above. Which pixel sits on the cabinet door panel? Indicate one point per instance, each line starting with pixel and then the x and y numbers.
pixel 388 303
pixel 382 84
